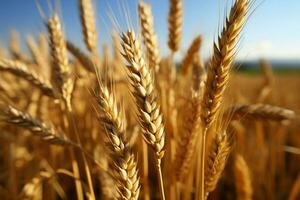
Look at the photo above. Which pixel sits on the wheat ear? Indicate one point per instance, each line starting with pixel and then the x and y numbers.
pixel 150 116
pixel 149 36
pixel 61 71
pixel 35 53
pixel 63 81
pixel 185 147
pixel 88 24
pixel 44 130
pixel 242 179
pixel 261 112
pixel 20 69
pixel 218 74
pixel 267 71
pixel 216 161
pixel 124 164
pixel 191 54
pixel 15 48
pixel 175 24
pixel 219 65
pixel 84 60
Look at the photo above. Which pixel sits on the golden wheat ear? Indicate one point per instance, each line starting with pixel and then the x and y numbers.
pixel 175 25
pixel 220 63
pixel 20 69
pixel 191 55
pixel 123 160
pixel 261 112
pixel 39 128
pixel 186 144
pixel 244 190
pixel 15 49
pixel 88 24
pixel 218 74
pixel 216 161
pixel 269 80
pixel 150 116
pixel 61 71
pixel 148 33
pixel 144 93
pixel 36 55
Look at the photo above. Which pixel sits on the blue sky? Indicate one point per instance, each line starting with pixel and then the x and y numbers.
pixel 272 31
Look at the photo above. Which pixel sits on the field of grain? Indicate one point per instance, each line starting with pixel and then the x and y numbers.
pixel 130 123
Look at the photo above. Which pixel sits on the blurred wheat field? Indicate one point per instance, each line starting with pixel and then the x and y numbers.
pixel 130 123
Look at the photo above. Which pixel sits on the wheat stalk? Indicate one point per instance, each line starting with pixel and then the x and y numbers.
pixel 88 24
pixel 84 60
pixel 61 71
pixel 20 69
pixel 216 161
pixel 124 164
pixel 150 115
pixel 261 112
pixel 191 55
pixel 242 176
pixel 175 24
pixel 149 36
pixel 39 128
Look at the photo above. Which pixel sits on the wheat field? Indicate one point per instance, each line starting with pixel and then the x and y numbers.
pixel 131 123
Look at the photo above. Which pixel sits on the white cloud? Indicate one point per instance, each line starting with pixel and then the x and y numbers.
pixel 267 49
